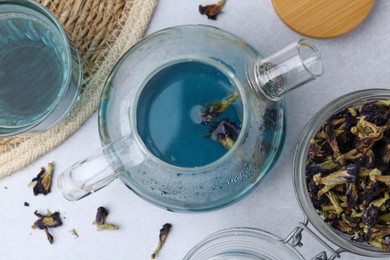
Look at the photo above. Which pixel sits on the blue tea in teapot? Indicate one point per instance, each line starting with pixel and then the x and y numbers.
pixel 189 113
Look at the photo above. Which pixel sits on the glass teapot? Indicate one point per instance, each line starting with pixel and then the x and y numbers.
pixel 191 118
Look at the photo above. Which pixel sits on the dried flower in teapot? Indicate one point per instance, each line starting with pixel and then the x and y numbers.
pixel 100 220
pixel 50 220
pixel 348 172
pixel 226 133
pixel 41 184
pixel 213 10
pixel 212 111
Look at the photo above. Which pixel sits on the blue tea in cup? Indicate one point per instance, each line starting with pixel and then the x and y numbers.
pixel 40 69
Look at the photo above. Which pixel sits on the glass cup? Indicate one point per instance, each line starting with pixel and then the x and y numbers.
pixel 40 69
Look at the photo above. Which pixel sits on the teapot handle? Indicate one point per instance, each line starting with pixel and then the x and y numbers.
pixel 100 168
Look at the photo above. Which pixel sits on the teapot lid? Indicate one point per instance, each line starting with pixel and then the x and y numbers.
pixel 322 18
pixel 243 243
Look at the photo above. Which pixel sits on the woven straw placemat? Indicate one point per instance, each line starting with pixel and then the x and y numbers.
pixel 103 31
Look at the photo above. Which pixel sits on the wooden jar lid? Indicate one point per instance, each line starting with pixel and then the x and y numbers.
pixel 322 18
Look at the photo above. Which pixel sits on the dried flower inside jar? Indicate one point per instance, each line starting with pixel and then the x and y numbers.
pixel 348 173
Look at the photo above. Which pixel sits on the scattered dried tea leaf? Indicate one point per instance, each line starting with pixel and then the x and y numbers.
pixel 100 220
pixel 42 183
pixel 213 10
pixel 26 204
pixel 50 220
pixel 210 112
pixel 348 172
pixel 226 133
pixel 74 233
pixel 164 231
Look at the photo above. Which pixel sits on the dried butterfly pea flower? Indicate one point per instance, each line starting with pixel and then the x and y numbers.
pixel 370 191
pixel 370 216
pixel 384 219
pixel 210 112
pixel 352 195
pixel 100 220
pixel 50 220
pixel 367 133
pixel 74 233
pixel 226 133
pixel 164 231
pixel 379 237
pixel 383 179
pixel 335 202
pixel 347 175
pixel 212 11
pixel 331 139
pixel 348 172
pixel 375 113
pixel 42 183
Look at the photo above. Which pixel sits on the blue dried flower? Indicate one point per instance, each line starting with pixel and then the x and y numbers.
pixel 164 231
pixel 370 216
pixel 211 112
pixel 225 133
pixel 42 183
pixel 348 175
pixel 331 139
pixel 213 10
pixel 100 220
pixel 371 191
pixel 50 220
pixel 352 195
pixel 375 113
pixel 350 121
pixel 379 237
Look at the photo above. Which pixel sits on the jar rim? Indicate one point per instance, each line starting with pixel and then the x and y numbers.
pixel 244 241
pixel 299 165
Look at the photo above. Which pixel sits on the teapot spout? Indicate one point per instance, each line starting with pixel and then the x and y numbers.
pixel 293 66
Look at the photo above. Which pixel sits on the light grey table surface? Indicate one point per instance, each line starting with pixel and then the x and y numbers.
pixel 358 60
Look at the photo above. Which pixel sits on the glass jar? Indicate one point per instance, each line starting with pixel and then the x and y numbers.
pixel 337 237
pixel 243 244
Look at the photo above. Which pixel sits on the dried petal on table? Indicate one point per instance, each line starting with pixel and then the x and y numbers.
pixel 164 231
pixel 50 220
pixel 74 233
pixel 100 220
pixel 42 183
pixel 213 10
